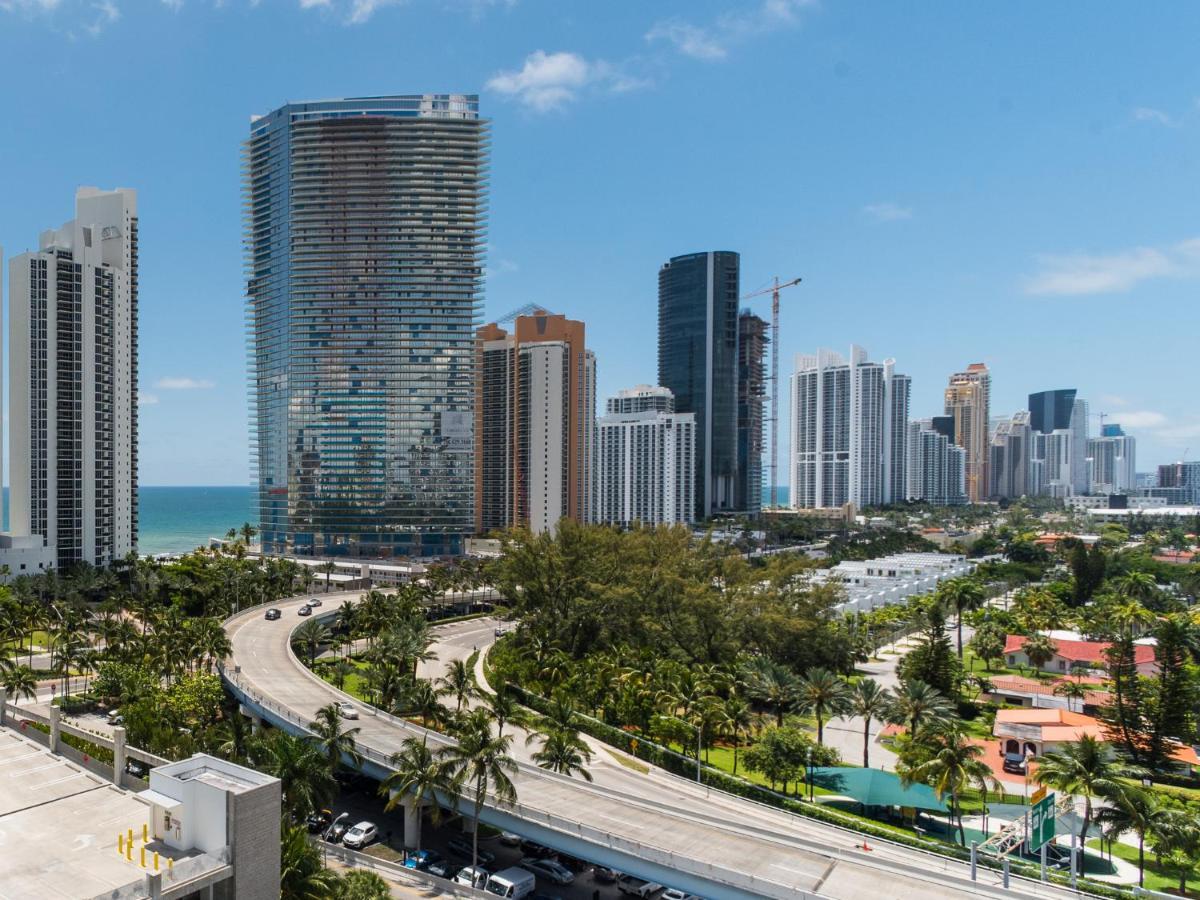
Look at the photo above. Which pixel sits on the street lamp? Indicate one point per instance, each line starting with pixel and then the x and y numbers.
pixel 810 776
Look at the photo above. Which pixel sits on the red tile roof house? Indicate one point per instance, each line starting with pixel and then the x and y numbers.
pixel 1067 653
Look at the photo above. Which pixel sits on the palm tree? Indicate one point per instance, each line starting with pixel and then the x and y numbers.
pixel 771 684
pixel 1136 810
pixel 302 874
pixel 564 753
pixel 481 761
pixel 328 567
pixel 505 708
pixel 960 595
pixel 363 884
pixel 420 777
pixel 869 701
pixel 1040 649
pixel 955 764
pixel 303 772
pixel 457 683
pixel 824 694
pixel 739 719
pixel 334 740
pixel 1176 843
pixel 310 636
pixel 917 703
pixel 1088 768
pixel 423 700
pixel 1072 690
pixel 19 681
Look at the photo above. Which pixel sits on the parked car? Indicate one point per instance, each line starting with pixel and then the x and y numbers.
pixel 542 895
pixel 304 611
pixel 604 875
pixel 115 717
pixel 534 850
pixel 272 614
pixel 512 884
pixel 574 863
pixel 549 868
pixel 137 769
pixel 337 830
pixel 319 821
pixel 462 847
pixel 677 894
pixel 1014 763
pixel 510 838
pixel 472 876
pixel 315 601
pixel 443 868
pixel 422 859
pixel 361 835
pixel 347 710
pixel 637 887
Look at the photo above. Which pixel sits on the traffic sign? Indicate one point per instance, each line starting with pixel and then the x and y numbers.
pixel 1041 822
pixel 1038 794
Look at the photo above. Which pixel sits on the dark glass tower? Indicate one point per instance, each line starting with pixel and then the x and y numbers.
pixel 698 361
pixel 752 389
pixel 365 222
pixel 1051 410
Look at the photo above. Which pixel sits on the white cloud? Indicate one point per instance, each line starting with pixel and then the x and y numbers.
pixel 106 14
pixel 689 40
pixel 548 81
pixel 1079 274
pixel 887 212
pixel 1155 116
pixel 1139 418
pixel 712 42
pixel 147 399
pixel 183 384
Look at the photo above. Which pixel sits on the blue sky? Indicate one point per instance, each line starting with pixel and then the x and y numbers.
pixel 1009 183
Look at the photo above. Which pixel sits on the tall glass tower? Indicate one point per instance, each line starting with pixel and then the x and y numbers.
pixel 365 234
pixel 698 361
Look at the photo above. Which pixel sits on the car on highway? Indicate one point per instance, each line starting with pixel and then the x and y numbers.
pixel 347 710
pixel 422 859
pixel 315 601
pixel 460 846
pixel 472 876
pixel 361 835
pixel 549 868
pixel 304 611
pixel 637 887
pixel 272 614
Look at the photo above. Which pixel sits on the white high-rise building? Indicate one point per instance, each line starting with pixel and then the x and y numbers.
pixel 936 466
pixel 73 383
pixel 849 430
pixel 1113 458
pixel 1058 451
pixel 645 460
pixel 1009 464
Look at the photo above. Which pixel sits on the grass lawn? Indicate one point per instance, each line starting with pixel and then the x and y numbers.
pixel 974 665
pixel 356 682
pixel 40 639
pixel 1179 793
pixel 1157 878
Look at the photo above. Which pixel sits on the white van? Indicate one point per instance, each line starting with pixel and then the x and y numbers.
pixel 512 883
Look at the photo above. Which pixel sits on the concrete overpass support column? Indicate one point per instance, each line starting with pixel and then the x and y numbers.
pixel 154 885
pixel 118 754
pixel 412 824
pixel 3 708
pixel 55 728
pixel 255 719
pixel 468 824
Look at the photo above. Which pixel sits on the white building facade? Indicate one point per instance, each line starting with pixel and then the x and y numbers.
pixel 849 430
pixel 73 426
pixel 645 460
pixel 1113 458
pixel 936 467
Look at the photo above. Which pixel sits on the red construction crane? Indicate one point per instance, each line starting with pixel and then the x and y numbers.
pixel 774 290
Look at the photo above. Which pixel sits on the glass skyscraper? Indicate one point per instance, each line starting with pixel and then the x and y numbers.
pixel 365 231
pixel 698 362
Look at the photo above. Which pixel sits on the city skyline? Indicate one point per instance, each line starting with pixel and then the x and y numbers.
pixel 1053 239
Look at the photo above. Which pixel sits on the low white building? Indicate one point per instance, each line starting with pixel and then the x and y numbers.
pixel 892 579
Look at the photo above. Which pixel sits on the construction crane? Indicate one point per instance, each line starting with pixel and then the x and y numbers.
pixel 774 290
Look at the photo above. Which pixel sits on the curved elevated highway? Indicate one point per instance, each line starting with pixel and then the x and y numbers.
pixel 653 825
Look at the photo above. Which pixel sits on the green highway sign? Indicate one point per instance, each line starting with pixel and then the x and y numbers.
pixel 1041 822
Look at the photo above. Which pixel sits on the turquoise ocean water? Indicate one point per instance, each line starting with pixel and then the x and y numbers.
pixel 177 519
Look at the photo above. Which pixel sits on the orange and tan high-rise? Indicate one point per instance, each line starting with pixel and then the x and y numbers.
pixel 967 400
pixel 535 420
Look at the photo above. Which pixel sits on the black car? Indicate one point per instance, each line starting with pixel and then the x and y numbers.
pixel 534 850
pixel 304 611
pixel 604 876
pixel 319 821
pixel 460 846
pixel 272 614
pixel 443 868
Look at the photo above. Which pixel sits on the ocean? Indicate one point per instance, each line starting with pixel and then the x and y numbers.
pixel 178 519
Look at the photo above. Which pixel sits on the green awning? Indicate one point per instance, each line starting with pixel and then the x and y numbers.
pixel 875 787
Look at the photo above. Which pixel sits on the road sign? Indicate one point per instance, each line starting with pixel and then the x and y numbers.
pixel 1041 822
pixel 1038 794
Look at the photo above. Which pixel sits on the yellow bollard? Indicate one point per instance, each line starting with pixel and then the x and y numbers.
pixel 129 846
pixel 142 863
pixel 145 833
pixel 121 844
pixel 155 860
pixel 170 864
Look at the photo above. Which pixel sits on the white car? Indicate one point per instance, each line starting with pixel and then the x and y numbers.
pixel 677 894
pixel 347 710
pixel 361 835
pixel 549 868
pixel 472 877
pixel 510 838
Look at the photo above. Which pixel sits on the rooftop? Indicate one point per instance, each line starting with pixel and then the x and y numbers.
pixel 1082 651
